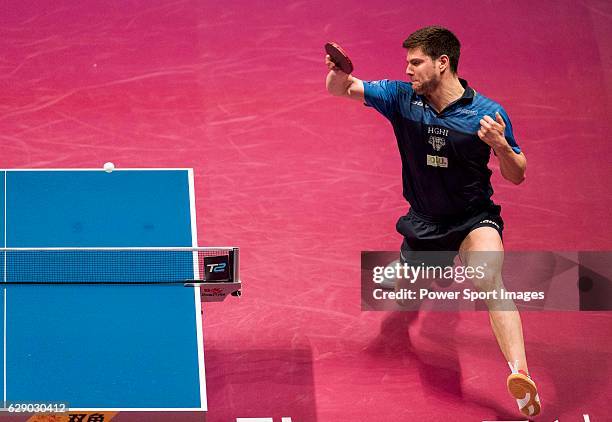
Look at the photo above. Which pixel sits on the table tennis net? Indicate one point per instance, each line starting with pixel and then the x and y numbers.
pixel 118 265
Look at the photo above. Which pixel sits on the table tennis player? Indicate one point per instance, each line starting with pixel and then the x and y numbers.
pixel 445 133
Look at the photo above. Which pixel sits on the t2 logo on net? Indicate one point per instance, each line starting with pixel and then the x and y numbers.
pixel 217 268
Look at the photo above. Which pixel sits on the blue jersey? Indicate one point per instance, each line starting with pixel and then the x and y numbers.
pixel 444 162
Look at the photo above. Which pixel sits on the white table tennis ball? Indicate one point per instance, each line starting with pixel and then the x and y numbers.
pixel 109 167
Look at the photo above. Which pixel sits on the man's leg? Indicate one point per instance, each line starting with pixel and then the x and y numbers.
pixel 483 247
pixel 504 317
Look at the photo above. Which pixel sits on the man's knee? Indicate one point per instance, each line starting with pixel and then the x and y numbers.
pixel 488 280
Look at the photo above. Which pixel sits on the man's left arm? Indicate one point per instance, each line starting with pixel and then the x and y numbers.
pixel 511 164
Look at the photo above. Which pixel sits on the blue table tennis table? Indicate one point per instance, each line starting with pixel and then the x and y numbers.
pixel 100 347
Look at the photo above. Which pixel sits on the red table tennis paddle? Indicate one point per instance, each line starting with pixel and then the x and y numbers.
pixel 339 57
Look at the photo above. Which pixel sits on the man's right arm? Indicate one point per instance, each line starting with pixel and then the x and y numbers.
pixel 340 84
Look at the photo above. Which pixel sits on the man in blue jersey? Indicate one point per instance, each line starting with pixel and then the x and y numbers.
pixel 445 132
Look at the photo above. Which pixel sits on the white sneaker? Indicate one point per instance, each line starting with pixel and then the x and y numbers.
pixel 524 390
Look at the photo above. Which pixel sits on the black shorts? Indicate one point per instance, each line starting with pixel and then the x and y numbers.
pixel 423 234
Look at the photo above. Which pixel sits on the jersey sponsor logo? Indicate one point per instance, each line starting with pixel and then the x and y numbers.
pixel 437 142
pixel 435 161
pixel 470 112
pixel 417 103
pixel 432 130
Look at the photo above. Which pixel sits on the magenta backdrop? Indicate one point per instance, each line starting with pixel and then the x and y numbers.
pixel 303 182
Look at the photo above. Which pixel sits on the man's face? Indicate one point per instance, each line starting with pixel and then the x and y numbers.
pixel 422 71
